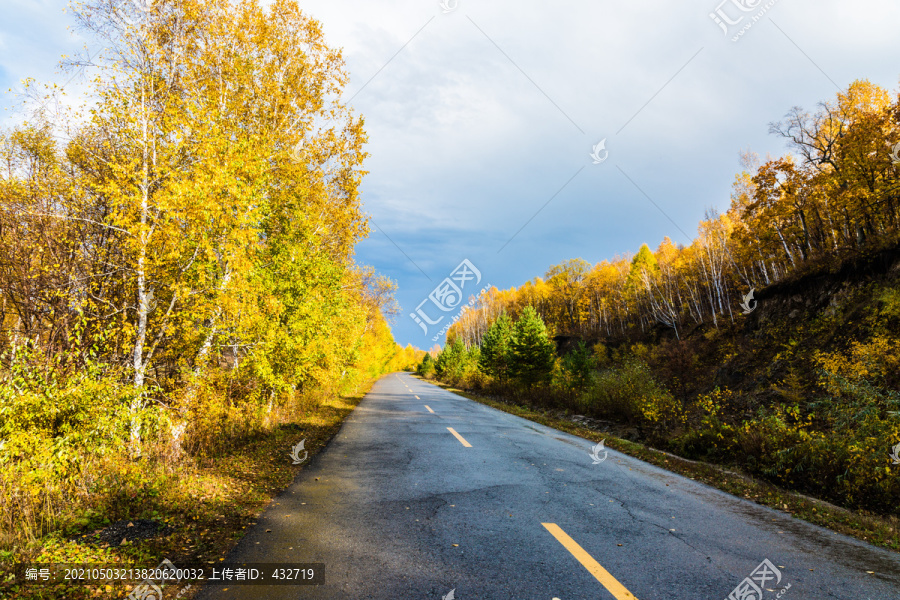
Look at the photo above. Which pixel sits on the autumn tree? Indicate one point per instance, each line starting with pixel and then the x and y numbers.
pixel 663 288
pixel 565 282
pixel 211 199
pixel 836 196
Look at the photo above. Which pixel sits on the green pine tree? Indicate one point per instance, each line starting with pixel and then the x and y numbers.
pixel 426 367
pixel 451 361
pixel 533 353
pixel 579 365
pixel 495 349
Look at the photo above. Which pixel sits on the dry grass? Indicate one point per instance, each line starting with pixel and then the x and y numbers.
pixel 206 499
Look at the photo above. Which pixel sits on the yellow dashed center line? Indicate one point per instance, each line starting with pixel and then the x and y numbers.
pixel 461 439
pixel 602 575
pixel 429 409
pixel 417 398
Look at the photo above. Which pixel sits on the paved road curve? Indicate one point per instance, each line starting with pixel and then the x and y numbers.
pixel 423 492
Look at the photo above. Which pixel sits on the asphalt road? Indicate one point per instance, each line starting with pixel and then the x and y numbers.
pixel 398 507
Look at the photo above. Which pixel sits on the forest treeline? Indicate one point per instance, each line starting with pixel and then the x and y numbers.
pixel 797 383
pixel 835 196
pixel 176 256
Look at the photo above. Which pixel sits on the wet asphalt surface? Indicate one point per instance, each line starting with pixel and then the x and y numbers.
pixel 397 508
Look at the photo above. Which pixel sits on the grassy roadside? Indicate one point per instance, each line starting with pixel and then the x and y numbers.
pixel 878 530
pixel 207 505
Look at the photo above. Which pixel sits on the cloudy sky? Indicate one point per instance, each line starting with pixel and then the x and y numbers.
pixel 482 117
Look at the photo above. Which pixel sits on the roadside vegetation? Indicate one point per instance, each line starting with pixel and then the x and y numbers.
pixel 797 384
pixel 878 529
pixel 179 304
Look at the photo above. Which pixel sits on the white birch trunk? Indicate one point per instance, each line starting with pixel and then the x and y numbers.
pixel 143 305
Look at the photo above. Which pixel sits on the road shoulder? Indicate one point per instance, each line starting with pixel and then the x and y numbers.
pixel 878 530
